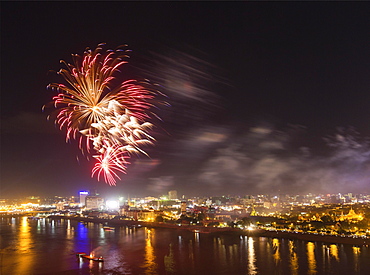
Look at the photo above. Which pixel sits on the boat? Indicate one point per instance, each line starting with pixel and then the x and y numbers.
pixel 78 254
pixel 93 258
pixel 89 257
pixel 202 231
pixel 108 228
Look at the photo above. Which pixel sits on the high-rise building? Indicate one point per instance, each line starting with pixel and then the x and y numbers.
pixel 183 207
pixel 94 202
pixel 83 195
pixel 172 195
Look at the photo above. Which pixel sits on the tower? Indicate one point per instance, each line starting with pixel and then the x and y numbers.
pixel 183 207
pixel 83 195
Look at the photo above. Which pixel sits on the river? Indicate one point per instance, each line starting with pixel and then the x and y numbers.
pixel 47 246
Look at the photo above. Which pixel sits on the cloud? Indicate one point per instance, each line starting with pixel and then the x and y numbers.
pixel 160 185
pixel 211 137
pixel 264 160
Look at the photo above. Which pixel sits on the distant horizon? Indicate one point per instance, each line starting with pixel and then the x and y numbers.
pixel 126 196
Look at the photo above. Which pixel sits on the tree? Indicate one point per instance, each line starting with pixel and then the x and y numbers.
pixel 327 219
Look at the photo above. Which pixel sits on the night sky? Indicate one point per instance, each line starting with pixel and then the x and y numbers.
pixel 266 97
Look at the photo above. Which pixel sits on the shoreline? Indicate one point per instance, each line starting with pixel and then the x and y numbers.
pixel 310 237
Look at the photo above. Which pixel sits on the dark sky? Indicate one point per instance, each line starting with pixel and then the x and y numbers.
pixel 266 97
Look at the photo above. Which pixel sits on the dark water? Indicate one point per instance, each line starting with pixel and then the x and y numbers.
pixel 48 247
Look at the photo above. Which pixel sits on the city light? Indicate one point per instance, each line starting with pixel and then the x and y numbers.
pixel 262 213
pixel 112 205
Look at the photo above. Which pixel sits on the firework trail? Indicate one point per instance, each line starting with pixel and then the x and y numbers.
pixel 111 161
pixel 107 117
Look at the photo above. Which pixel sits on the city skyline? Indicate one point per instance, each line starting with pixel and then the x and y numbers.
pixel 265 97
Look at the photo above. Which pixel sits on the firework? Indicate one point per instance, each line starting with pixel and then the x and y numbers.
pixel 107 117
pixel 113 160
pixel 90 90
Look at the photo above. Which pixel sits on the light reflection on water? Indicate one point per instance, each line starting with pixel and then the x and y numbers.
pixel 294 265
pixel 169 261
pixel 276 247
pixel 149 265
pixel 334 251
pixel 311 258
pixel 25 241
pixel 356 252
pixel 25 244
pixel 252 269
pixel 24 237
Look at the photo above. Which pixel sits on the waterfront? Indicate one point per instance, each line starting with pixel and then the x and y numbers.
pixel 46 246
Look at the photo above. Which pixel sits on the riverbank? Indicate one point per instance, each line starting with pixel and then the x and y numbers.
pixel 312 237
pixel 338 239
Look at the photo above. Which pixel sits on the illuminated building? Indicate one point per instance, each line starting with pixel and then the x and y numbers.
pixel 183 207
pixel 32 199
pixel 253 212
pixel 138 214
pixel 129 202
pixel 60 206
pixel 83 195
pixel 94 202
pixel 351 216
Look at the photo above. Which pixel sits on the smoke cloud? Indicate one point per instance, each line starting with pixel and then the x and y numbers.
pixel 263 160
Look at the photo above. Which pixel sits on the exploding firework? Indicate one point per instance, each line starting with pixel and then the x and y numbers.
pixel 113 160
pixel 90 90
pixel 107 117
pixel 122 129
